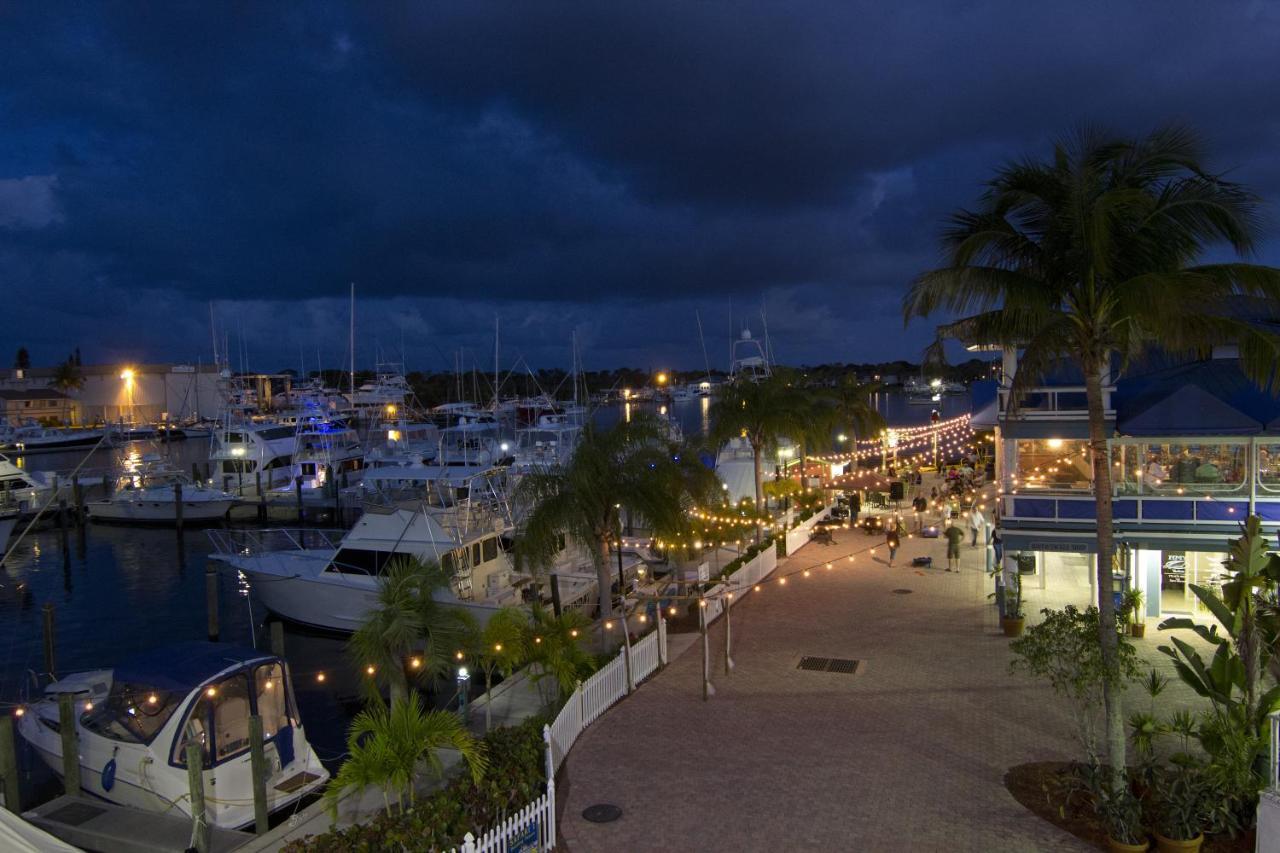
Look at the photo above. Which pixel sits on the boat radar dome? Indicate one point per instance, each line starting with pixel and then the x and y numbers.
pixel 746 334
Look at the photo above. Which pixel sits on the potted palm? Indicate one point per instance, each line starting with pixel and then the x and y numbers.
pixel 1131 612
pixel 1121 815
pixel 1181 804
pixel 1013 620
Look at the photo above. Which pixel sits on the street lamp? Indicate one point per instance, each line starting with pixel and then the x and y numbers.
pixel 464 683
pixel 127 375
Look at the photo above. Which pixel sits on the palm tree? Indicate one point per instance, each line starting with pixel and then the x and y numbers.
pixel 628 467
pixel 1090 257
pixel 854 409
pixel 387 746
pixel 761 412
pixel 499 647
pixel 408 626
pixel 554 647
pixel 67 377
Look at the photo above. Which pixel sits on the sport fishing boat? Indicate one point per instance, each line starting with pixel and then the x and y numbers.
pixel 326 455
pixel 23 490
pixel 133 722
pixel 547 444
pixel 330 580
pixel 151 496
pixel 241 451
pixel 406 443
pixel 33 438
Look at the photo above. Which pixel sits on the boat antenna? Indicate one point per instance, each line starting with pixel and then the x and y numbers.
pixel 213 330
pixel 768 347
pixel 706 361
pixel 497 383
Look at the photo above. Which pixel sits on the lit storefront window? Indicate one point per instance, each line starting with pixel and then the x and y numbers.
pixel 1179 570
pixel 1188 468
pixel 1269 467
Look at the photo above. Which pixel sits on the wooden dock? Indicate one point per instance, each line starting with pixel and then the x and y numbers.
pixel 94 824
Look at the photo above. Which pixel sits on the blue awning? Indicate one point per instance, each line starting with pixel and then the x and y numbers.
pixel 1212 397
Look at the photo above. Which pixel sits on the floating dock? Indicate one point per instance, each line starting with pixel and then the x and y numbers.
pixel 94 824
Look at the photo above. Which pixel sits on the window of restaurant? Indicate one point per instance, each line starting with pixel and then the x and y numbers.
pixel 1053 464
pixel 1269 467
pixel 1186 468
pixel 1179 570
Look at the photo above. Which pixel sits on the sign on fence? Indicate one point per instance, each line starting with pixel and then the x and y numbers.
pixel 526 840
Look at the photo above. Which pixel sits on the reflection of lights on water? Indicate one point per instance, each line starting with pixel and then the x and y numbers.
pixel 242 583
pixel 626 411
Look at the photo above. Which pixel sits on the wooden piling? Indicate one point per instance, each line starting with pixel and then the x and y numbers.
pixel 262 499
pixel 258 770
pixel 50 650
pixel 106 486
pixel 277 638
pixel 555 594
pixel 297 490
pixel 195 784
pixel 195 471
pixel 62 516
pixel 77 496
pixel 177 505
pixel 70 744
pixel 9 766
pixel 211 600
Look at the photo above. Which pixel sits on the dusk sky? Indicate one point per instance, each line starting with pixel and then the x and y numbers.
pixel 609 168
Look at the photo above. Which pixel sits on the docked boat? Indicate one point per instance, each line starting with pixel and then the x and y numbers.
pixel 33 438
pixel 547 444
pixel 133 722
pixel 331 581
pixel 326 455
pixel 23 490
pixel 389 388
pixel 8 521
pixel 405 443
pixel 151 497
pixel 242 451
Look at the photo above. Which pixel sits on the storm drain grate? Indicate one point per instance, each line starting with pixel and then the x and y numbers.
pixel 74 814
pixel 902 592
pixel 839 665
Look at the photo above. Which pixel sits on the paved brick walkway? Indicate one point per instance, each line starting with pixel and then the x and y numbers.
pixel 909 754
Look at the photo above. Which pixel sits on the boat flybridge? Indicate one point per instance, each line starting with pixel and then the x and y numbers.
pixel 330 580
pixel 547 444
pixel 326 454
pixel 242 451
pixel 23 490
pixel 133 722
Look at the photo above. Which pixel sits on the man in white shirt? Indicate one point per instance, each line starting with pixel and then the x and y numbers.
pixel 977 524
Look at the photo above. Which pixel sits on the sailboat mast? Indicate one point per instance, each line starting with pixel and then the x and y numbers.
pixel 352 343
pixel 496 329
pixel 706 360
pixel 213 330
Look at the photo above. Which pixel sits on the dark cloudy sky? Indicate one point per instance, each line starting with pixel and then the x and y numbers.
pixel 607 167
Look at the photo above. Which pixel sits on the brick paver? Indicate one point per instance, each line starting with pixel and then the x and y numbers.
pixel 909 754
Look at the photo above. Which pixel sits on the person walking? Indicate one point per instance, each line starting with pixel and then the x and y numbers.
pixel 892 538
pixel 954 537
pixel 977 524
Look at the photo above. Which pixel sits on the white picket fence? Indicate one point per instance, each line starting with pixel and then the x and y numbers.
pixel 534 826
pixel 531 828
pixel 757 568
pixel 799 535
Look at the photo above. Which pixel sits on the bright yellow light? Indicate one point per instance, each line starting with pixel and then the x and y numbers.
pixel 369 670
pixel 391 409
pixel 662 378
pixel 415 663
pixel 127 374
pixel 1054 443
pixel 320 677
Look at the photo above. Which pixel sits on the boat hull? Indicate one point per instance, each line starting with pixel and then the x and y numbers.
pixel 158 512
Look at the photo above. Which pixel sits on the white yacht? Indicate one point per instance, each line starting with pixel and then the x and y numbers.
pixel 389 388
pixel 8 521
pixel 150 497
pixel 133 722
pixel 405 443
pixel 240 451
pixel 331 581
pixel 33 438
pixel 326 454
pixel 23 490
pixel 547 444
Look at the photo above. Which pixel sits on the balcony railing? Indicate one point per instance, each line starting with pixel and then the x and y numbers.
pixel 1147 509
pixel 1063 402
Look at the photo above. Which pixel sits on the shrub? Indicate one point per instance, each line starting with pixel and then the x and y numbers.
pixel 439 821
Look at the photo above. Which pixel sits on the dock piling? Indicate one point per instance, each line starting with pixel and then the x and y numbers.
pixel 195 471
pixel 70 744
pixel 297 490
pixel 555 594
pixel 262 499
pixel 9 766
pixel 195 782
pixel 177 505
pixel 258 769
pixel 211 600
pixel 77 496
pixel 277 638
pixel 50 651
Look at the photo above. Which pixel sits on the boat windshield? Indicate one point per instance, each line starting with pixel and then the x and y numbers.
pixel 133 713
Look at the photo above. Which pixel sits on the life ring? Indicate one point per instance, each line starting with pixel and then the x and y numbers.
pixel 109 775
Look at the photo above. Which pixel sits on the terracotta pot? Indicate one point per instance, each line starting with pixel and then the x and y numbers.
pixel 1174 845
pixel 1012 626
pixel 1138 629
pixel 1120 847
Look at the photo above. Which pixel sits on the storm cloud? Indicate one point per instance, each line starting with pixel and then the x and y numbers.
pixel 605 170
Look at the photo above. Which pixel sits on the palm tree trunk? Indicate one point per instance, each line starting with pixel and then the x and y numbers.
pixel 1108 639
pixel 604 580
pixel 397 686
pixel 488 699
pixel 758 469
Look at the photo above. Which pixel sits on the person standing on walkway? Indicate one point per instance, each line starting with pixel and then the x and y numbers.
pixel 977 524
pixel 954 537
pixel 892 538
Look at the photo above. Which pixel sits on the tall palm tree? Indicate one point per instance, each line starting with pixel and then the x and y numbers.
pixel 628 468
pixel 854 409
pixel 386 747
pixel 67 377
pixel 760 412
pixel 408 627
pixel 1091 257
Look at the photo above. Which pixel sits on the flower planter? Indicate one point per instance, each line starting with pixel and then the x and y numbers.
pixel 1175 845
pixel 1120 847
pixel 1138 629
pixel 1012 626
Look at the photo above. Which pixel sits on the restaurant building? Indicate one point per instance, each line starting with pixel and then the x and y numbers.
pixel 1194 448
